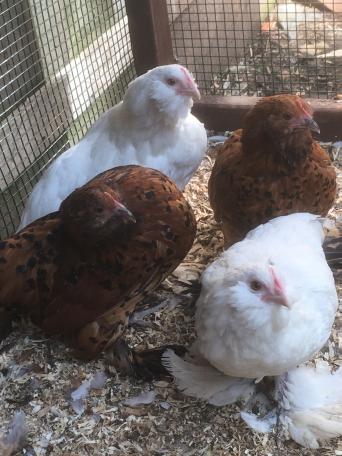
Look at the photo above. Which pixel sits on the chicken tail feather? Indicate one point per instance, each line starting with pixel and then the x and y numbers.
pixel 205 382
pixel 311 400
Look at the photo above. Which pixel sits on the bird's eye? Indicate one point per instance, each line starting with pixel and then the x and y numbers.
pixel 171 82
pixel 99 210
pixel 287 116
pixel 255 285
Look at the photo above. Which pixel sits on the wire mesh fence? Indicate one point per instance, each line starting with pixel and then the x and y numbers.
pixel 63 63
pixel 252 47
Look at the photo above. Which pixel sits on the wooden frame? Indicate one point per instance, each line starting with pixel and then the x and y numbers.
pixel 226 113
pixel 152 46
pixel 150 34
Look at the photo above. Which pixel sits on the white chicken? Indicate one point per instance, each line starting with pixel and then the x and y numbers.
pixel 267 304
pixel 152 127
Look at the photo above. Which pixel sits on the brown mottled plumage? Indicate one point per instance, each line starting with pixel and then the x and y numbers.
pixel 81 271
pixel 270 168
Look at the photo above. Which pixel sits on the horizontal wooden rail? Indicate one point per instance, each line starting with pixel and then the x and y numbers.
pixel 226 113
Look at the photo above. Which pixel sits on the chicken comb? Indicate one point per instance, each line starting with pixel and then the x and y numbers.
pixel 303 106
pixel 187 76
pixel 276 281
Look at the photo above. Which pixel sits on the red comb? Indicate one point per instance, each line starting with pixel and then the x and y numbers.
pixel 187 76
pixel 301 105
pixel 277 284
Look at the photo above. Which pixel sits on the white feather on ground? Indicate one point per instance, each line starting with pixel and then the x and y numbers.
pixel 205 382
pixel 79 395
pixel 263 425
pixel 11 441
pixel 152 127
pixel 147 397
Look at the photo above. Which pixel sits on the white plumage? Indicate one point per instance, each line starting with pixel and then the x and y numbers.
pixel 286 319
pixel 198 379
pixel 309 405
pixel 310 400
pixel 267 305
pixel 152 127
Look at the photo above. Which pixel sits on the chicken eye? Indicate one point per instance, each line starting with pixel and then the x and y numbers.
pixel 287 116
pixel 255 285
pixel 171 82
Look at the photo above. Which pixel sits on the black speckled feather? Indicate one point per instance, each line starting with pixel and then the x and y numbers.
pixel 268 169
pixel 81 271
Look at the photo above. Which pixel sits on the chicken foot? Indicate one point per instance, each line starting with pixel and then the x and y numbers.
pixel 100 334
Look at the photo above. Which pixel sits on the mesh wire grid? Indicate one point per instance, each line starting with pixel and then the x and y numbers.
pixel 62 63
pixel 252 47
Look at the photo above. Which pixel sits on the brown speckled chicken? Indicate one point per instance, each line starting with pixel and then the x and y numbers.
pixel 271 167
pixel 81 271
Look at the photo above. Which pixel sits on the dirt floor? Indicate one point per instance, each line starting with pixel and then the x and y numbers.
pixel 38 376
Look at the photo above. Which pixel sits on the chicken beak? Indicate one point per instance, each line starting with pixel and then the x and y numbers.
pixel 280 298
pixel 305 122
pixel 277 295
pixel 123 213
pixel 196 93
pixel 276 298
pixel 310 123
pixel 121 216
pixel 192 92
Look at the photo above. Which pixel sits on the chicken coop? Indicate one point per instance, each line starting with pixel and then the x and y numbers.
pixel 64 62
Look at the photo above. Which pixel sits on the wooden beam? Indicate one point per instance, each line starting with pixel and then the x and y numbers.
pixel 226 113
pixel 150 33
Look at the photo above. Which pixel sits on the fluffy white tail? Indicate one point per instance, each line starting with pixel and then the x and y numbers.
pixel 311 404
pixel 205 382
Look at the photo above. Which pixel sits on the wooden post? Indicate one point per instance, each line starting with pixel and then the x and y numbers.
pixel 150 34
pixel 21 68
pixel 226 113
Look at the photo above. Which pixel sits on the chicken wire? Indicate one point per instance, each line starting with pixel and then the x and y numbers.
pixel 251 47
pixel 63 63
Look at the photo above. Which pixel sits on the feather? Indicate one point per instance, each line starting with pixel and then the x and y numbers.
pixel 272 167
pixel 255 333
pixel 145 398
pixel 81 271
pixel 308 226
pixel 310 400
pixel 15 436
pixel 263 425
pixel 152 127
pixel 78 396
pixel 204 382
